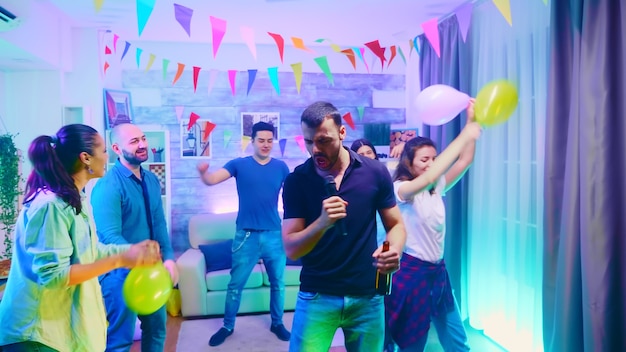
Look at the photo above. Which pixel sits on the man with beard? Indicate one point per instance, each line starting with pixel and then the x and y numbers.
pixel 259 180
pixel 338 278
pixel 127 208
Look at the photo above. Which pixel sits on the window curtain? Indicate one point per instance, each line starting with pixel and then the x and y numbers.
pixel 585 191
pixel 505 207
pixel 452 69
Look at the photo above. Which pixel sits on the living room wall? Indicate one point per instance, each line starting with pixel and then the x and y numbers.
pixel 154 105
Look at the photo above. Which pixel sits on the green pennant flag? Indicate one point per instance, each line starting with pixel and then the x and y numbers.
pixel 227 136
pixel 360 110
pixel 322 62
pixel 166 62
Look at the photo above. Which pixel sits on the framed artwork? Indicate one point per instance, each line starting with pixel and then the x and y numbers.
pixel 403 135
pixel 118 108
pixel 195 140
pixel 250 118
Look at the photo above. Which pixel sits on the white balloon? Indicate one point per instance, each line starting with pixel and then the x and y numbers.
pixel 438 104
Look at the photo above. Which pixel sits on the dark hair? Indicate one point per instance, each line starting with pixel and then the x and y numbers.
pixel 262 126
pixel 55 159
pixel 403 170
pixel 361 142
pixel 316 113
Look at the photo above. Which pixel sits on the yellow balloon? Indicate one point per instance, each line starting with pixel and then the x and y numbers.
pixel 495 102
pixel 147 289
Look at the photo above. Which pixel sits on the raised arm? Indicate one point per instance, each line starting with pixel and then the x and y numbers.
pixel 460 167
pixel 212 178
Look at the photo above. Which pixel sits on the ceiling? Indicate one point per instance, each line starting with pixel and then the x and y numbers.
pixel 344 22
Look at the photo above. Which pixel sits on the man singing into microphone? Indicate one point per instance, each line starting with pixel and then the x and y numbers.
pixel 335 235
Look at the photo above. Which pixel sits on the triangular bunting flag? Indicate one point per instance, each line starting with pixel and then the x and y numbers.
pixel 150 62
pixel 348 118
pixel 336 48
pixel 107 50
pixel 144 10
pixel 218 29
pixel 232 74
pixel 282 143
pixel 166 63
pixel 412 45
pixel 247 34
pixel 322 62
pixel 228 134
pixel 245 140
pixel 374 46
pixel 504 6
pixel 297 74
pixel 193 118
pixel 196 73
pixel 179 72
pixel 360 110
pixel 212 78
pixel 393 54
pixel 280 43
pixel 179 112
pixel 183 17
pixel 402 55
pixel 98 5
pixel 350 55
pixel 432 34
pixel 208 128
pixel 115 39
pixel 273 73
pixel 251 78
pixel 300 141
pixel 463 16
pixel 298 43
pixel 106 67
pixel 362 56
pixel 125 51
pixel 417 45
pixel 138 53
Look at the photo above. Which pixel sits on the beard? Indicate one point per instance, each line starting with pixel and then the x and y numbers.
pixel 133 159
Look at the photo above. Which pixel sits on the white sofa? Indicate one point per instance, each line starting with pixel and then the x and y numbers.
pixel 204 293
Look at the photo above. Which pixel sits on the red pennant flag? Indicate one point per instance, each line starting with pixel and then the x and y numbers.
pixel 374 46
pixel 193 118
pixel 106 67
pixel 350 55
pixel 393 54
pixel 280 42
pixel 107 50
pixel 348 118
pixel 208 128
pixel 179 72
pixel 196 72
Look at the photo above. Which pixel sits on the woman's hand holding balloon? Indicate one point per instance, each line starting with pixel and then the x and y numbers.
pixel 144 253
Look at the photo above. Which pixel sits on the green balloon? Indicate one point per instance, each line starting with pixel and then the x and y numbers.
pixel 147 288
pixel 495 102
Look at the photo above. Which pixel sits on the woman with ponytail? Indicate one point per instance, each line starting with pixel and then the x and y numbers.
pixel 52 300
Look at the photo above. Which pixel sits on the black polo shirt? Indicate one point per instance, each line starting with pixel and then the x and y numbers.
pixel 341 265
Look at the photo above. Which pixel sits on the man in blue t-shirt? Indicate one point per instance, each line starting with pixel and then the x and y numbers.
pixel 338 280
pixel 259 180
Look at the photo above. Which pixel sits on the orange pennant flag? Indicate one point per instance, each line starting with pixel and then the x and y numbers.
pixel 193 118
pixel 179 72
pixel 393 54
pixel 348 118
pixel 299 44
pixel 280 43
pixel 350 55
pixel 208 128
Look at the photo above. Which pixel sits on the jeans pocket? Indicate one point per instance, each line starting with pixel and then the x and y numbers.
pixel 239 240
pixel 308 296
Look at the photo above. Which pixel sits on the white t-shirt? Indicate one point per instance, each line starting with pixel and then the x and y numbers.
pixel 425 221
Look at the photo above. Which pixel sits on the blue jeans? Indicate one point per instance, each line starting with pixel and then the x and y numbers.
pixel 248 247
pixel 318 316
pixel 122 320
pixel 450 331
pixel 27 346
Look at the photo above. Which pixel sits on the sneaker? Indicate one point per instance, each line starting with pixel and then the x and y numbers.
pixel 219 337
pixel 280 332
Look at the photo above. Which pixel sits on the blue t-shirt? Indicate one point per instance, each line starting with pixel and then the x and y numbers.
pixel 258 187
pixel 341 265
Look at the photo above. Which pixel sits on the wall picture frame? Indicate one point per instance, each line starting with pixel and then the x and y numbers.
pixel 196 141
pixel 248 119
pixel 118 107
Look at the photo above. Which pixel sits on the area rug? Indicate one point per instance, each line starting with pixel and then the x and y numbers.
pixel 252 334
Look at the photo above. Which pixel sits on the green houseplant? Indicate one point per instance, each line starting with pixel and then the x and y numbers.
pixel 9 191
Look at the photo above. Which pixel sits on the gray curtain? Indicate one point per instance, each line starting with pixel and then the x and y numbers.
pixel 452 69
pixel 584 296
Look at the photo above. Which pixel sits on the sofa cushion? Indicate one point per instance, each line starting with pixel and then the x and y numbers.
pixel 218 280
pixel 291 277
pixel 217 255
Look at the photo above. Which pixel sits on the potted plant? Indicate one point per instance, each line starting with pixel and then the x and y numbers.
pixel 9 196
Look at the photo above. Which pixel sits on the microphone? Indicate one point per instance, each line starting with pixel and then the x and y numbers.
pixel 331 190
